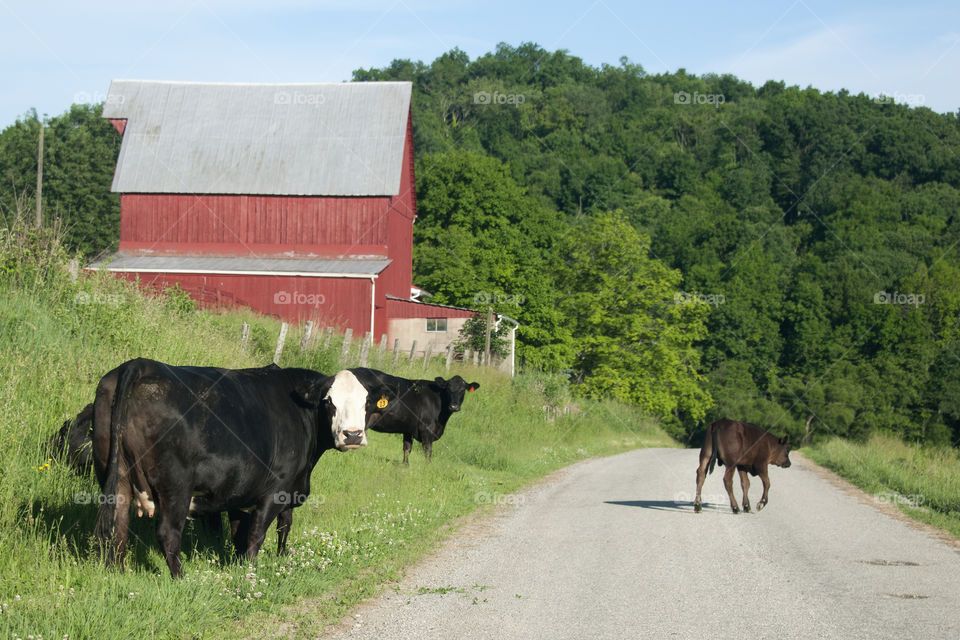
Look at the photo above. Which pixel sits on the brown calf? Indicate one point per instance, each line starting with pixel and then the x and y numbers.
pixel 742 447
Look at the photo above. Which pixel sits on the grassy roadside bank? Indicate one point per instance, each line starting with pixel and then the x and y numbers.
pixel 923 482
pixel 368 516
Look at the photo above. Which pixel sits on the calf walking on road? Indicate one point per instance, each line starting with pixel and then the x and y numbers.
pixel 742 447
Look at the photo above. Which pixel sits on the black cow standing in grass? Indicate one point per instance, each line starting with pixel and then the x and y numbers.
pixel 182 440
pixel 418 409
pixel 741 447
pixel 74 444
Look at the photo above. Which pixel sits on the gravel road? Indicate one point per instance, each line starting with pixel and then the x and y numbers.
pixel 611 548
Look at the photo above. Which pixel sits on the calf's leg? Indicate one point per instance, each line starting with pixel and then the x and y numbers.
pixel 728 485
pixel 284 521
pixel 407 447
pixel 701 475
pixel 765 479
pixel 745 485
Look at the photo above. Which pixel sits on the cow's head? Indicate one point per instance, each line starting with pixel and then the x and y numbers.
pixel 342 401
pixel 781 454
pixel 452 391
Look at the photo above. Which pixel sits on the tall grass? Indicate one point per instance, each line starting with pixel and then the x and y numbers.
pixel 367 518
pixel 922 481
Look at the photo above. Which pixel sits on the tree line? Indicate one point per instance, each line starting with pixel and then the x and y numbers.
pixel 694 245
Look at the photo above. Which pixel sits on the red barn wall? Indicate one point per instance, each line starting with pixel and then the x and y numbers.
pixel 341 302
pixel 245 224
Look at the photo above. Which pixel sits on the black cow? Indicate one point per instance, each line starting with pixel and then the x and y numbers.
pixel 74 442
pixel 182 440
pixel 420 409
pixel 745 448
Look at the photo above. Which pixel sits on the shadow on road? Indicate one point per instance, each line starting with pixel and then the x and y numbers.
pixel 664 505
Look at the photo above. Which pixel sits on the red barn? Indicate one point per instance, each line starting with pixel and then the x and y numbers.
pixel 296 200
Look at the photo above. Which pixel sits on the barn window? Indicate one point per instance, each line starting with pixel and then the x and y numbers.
pixel 436 324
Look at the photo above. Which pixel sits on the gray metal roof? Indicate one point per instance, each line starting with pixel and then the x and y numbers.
pixel 320 139
pixel 314 267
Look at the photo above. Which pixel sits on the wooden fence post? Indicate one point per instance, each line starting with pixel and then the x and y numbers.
pixel 326 338
pixel 365 348
pixel 305 336
pixel 382 349
pixel 280 340
pixel 396 351
pixel 413 350
pixel 427 354
pixel 244 336
pixel 347 337
pixel 449 355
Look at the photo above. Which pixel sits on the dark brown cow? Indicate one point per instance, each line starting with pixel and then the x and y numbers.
pixel 745 448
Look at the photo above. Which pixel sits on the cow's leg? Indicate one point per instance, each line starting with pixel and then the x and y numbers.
pixel 407 447
pixel 173 515
pixel 728 485
pixel 705 453
pixel 745 486
pixel 765 479
pixel 239 531
pixel 428 448
pixel 284 521
pixel 259 522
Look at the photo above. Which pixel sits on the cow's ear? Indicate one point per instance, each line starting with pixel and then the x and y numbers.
pixel 473 386
pixel 311 393
pixel 784 439
pixel 440 380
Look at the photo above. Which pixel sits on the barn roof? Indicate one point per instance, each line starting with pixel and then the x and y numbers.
pixel 313 267
pixel 317 139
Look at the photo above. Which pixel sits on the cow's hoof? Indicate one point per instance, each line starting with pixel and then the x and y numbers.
pixel 761 506
pixel 746 508
pixel 736 510
pixel 697 508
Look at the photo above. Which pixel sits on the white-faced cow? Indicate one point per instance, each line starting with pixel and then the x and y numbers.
pixel 418 409
pixel 182 440
pixel 741 447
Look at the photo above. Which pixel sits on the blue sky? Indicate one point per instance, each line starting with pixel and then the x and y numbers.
pixel 55 53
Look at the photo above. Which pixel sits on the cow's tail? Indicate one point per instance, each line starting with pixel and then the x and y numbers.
pixel 113 493
pixel 714 452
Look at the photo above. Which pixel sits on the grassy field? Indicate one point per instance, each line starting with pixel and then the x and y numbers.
pixel 57 337
pixel 924 482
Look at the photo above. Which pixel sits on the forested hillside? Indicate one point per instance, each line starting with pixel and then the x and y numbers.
pixel 695 245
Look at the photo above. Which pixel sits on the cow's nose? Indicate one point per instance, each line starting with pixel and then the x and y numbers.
pixel 353 437
pixel 454 407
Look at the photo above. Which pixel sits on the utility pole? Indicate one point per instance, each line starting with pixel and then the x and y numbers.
pixel 40 176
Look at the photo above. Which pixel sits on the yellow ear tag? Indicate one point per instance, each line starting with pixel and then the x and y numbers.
pixel 382 402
